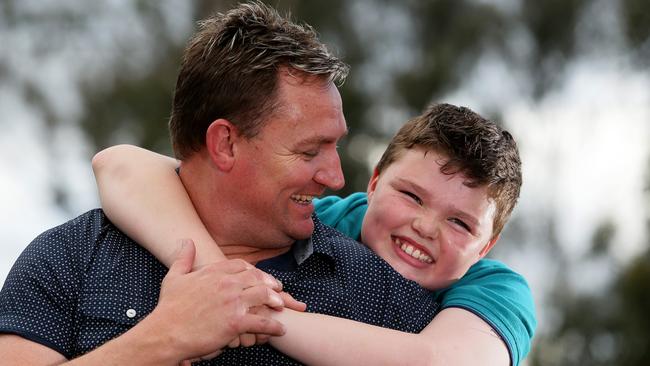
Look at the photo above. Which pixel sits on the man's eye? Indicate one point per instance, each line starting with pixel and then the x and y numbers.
pixel 310 153
pixel 413 196
pixel 461 223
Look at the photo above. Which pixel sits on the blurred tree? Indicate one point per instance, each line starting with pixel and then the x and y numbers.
pixel 636 20
pixel 447 39
pixel 609 327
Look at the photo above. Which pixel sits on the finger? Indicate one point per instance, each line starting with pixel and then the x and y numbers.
pixel 291 303
pixel 247 340
pixel 255 277
pixel 261 338
pixel 232 266
pixel 184 258
pixel 261 295
pixel 234 343
pixel 253 323
pixel 208 356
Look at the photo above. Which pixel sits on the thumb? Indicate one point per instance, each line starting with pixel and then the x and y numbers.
pixel 184 257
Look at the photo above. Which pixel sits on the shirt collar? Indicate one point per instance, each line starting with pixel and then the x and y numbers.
pixel 318 243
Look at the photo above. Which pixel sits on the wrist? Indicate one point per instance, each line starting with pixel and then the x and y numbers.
pixel 151 340
pixel 141 345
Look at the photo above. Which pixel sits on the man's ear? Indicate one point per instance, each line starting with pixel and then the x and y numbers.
pixel 490 244
pixel 219 140
pixel 372 184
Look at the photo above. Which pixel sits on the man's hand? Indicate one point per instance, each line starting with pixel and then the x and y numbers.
pixel 201 312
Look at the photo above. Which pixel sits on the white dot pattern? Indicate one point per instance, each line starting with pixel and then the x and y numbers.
pixel 74 286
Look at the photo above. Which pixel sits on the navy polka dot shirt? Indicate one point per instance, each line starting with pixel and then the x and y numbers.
pixel 83 283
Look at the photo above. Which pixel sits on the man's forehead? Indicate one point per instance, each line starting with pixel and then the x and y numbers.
pixel 315 138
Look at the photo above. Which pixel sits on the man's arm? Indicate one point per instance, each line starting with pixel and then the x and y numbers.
pixel 198 313
pixel 454 337
pixel 16 350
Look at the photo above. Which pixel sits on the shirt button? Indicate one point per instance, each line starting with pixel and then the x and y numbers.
pixel 131 313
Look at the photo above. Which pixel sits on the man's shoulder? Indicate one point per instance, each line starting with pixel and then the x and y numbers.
pixel 331 241
pixel 68 289
pixel 91 221
pixel 84 230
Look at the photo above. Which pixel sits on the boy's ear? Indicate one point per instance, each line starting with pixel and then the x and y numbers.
pixel 372 184
pixel 219 140
pixel 486 249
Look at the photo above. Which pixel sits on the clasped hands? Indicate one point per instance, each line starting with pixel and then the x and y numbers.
pixel 226 304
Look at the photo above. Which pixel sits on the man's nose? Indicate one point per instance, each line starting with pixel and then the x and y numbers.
pixel 330 174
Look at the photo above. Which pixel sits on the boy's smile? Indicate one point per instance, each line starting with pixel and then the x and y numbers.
pixel 429 226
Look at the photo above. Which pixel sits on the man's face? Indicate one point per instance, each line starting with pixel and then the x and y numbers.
pixel 428 226
pixel 292 159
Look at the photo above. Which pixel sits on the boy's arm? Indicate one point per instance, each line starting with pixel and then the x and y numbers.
pixel 143 196
pixel 454 337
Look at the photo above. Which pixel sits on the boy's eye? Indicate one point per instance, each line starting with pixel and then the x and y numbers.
pixel 413 196
pixel 460 223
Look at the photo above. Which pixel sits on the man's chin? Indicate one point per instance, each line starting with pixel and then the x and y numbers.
pixel 302 230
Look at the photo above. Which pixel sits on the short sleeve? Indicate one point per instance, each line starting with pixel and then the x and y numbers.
pixel 39 296
pixel 343 214
pixel 502 298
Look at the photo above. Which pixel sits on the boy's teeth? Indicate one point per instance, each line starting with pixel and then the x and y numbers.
pixel 415 253
pixel 302 198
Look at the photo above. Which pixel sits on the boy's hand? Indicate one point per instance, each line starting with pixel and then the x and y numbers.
pixel 249 339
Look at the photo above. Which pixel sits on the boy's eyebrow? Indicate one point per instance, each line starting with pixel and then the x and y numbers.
pixel 424 193
pixel 466 216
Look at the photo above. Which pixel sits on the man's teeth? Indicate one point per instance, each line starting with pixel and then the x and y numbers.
pixel 415 253
pixel 302 198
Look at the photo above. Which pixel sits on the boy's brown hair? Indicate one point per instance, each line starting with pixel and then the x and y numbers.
pixel 474 146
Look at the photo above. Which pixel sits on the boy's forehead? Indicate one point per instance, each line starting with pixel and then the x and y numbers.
pixel 411 168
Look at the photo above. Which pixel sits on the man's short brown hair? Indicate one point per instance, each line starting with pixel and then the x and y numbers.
pixel 230 71
pixel 474 146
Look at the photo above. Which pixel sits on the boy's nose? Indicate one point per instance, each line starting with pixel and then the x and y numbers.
pixel 426 226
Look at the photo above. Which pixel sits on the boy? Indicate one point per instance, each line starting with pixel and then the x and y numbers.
pixel 435 206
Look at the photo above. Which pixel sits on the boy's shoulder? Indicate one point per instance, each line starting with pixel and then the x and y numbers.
pixel 344 214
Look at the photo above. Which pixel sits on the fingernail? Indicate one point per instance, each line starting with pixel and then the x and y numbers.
pixel 279 301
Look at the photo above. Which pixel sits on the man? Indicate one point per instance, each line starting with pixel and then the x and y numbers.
pixel 263 125
pixel 255 122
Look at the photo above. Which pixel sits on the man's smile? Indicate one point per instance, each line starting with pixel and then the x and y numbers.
pixel 302 199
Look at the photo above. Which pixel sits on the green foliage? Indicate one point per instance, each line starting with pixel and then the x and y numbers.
pixel 451 36
pixel 131 104
pixel 636 14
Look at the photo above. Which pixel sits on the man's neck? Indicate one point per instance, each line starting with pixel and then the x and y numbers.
pixel 250 254
pixel 219 217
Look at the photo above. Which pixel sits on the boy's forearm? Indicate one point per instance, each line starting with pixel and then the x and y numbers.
pixel 455 337
pixel 317 339
pixel 143 196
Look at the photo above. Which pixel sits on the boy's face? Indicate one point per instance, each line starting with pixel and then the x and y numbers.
pixel 428 226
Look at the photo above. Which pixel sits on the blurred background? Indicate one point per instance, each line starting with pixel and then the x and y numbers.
pixel 569 78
